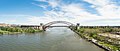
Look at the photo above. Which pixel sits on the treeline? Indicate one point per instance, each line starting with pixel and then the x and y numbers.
pixel 103 30
pixel 14 30
pixel 93 33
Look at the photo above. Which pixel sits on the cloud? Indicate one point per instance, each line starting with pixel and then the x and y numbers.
pixel 57 10
pixel 15 19
pixel 106 8
pixel 74 12
pixel 42 6
pixel 52 3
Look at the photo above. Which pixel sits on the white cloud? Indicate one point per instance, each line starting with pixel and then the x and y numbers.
pixel 36 20
pixel 52 3
pixel 75 13
pixel 98 3
pixel 106 8
pixel 43 6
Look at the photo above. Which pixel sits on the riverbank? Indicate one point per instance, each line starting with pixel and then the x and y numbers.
pixel 92 35
pixel 91 40
pixel 54 39
pixel 17 30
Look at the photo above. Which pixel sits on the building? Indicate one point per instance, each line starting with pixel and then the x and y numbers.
pixel 4 25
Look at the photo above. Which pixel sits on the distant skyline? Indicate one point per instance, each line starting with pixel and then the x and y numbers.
pixel 85 12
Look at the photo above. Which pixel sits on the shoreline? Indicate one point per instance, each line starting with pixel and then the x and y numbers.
pixel 17 30
pixel 14 33
pixel 93 42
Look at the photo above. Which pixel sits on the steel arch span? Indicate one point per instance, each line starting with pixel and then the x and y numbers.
pixel 55 22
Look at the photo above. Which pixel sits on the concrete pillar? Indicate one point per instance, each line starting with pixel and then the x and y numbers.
pixel 37 27
pixel 41 27
pixel 77 26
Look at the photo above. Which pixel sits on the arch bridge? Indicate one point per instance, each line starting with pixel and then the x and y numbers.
pixel 69 25
pixel 48 25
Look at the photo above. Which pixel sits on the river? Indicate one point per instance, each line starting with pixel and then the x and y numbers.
pixel 54 39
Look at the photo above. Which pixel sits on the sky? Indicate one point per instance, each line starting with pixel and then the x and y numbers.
pixel 85 12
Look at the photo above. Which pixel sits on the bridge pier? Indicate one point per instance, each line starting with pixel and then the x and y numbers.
pixel 39 27
pixel 77 26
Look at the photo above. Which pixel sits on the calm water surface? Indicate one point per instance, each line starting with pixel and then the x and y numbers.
pixel 54 39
